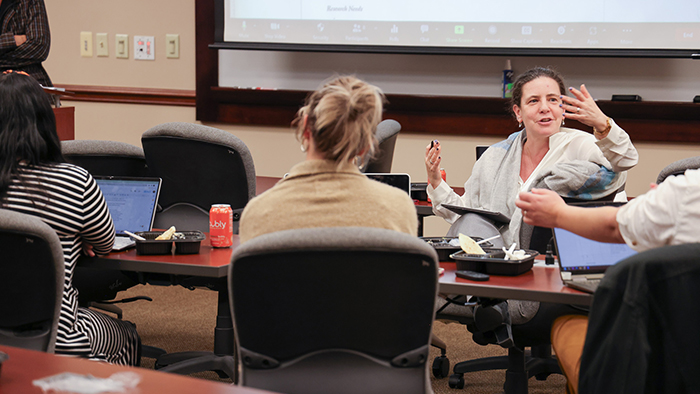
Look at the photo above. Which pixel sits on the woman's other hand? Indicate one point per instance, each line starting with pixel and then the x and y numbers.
pixel 87 249
pixel 583 108
pixel 432 163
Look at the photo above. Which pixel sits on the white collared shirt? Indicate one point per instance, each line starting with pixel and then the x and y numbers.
pixel 667 215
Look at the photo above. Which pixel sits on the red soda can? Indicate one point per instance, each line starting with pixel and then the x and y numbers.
pixel 221 226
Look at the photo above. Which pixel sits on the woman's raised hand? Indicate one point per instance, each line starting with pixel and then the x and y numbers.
pixel 583 108
pixel 432 163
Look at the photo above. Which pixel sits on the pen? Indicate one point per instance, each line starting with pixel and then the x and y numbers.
pixel 488 239
pixel 134 236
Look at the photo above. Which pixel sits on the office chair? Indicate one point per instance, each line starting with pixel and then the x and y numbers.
pixel 97 287
pixel 387 132
pixel 678 167
pixel 32 274
pixel 334 310
pixel 106 157
pixel 480 149
pixel 200 166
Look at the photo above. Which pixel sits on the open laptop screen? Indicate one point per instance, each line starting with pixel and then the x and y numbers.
pixel 578 254
pixel 132 201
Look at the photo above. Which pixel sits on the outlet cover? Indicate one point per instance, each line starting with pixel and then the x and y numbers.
pixel 86 43
pixel 172 46
pixel 102 46
pixel 144 48
pixel 121 43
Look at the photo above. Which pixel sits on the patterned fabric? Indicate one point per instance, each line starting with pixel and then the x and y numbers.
pixel 25 17
pixel 67 198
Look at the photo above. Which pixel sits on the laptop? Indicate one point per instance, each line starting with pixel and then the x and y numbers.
pixel 582 262
pixel 132 203
pixel 399 180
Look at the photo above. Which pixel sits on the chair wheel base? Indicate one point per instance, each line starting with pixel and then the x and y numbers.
pixel 441 367
pixel 456 381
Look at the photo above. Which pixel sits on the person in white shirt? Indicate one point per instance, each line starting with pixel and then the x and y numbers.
pixel 669 214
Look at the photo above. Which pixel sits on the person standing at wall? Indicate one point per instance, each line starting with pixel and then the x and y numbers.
pixel 25 38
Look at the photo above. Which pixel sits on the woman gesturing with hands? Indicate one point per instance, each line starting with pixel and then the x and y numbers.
pixel 432 163
pixel 583 108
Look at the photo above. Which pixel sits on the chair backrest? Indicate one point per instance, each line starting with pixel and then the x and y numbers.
pixel 341 310
pixel 200 166
pixel 31 282
pixel 106 157
pixel 678 167
pixel 480 149
pixel 387 132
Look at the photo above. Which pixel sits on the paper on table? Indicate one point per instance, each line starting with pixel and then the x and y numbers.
pixel 88 384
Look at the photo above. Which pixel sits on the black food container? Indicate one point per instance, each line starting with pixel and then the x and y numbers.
pixel 444 249
pixel 189 244
pixel 494 262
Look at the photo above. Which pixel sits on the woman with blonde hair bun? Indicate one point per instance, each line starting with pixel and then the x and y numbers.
pixel 336 125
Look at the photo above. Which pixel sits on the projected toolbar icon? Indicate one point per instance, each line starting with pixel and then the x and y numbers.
pixel 424 28
pixel 459 29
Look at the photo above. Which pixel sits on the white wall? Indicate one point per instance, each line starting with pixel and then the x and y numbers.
pixel 274 149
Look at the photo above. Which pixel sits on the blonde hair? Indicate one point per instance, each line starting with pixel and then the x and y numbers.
pixel 342 117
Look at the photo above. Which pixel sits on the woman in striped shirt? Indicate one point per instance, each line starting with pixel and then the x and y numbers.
pixel 36 180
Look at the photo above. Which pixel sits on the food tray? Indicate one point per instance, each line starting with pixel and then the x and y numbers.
pixel 444 249
pixel 189 245
pixel 493 262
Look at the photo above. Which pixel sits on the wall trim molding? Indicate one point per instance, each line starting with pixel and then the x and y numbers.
pixel 128 95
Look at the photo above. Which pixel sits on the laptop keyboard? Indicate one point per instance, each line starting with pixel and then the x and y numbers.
pixel 121 243
pixel 589 285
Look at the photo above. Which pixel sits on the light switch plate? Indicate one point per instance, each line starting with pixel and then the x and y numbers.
pixel 144 48
pixel 86 43
pixel 172 46
pixel 121 43
pixel 102 45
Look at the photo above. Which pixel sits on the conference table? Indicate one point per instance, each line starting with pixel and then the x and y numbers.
pixel 24 366
pixel 210 268
pixel 542 283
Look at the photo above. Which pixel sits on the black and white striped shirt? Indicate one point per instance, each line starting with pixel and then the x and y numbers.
pixel 67 198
